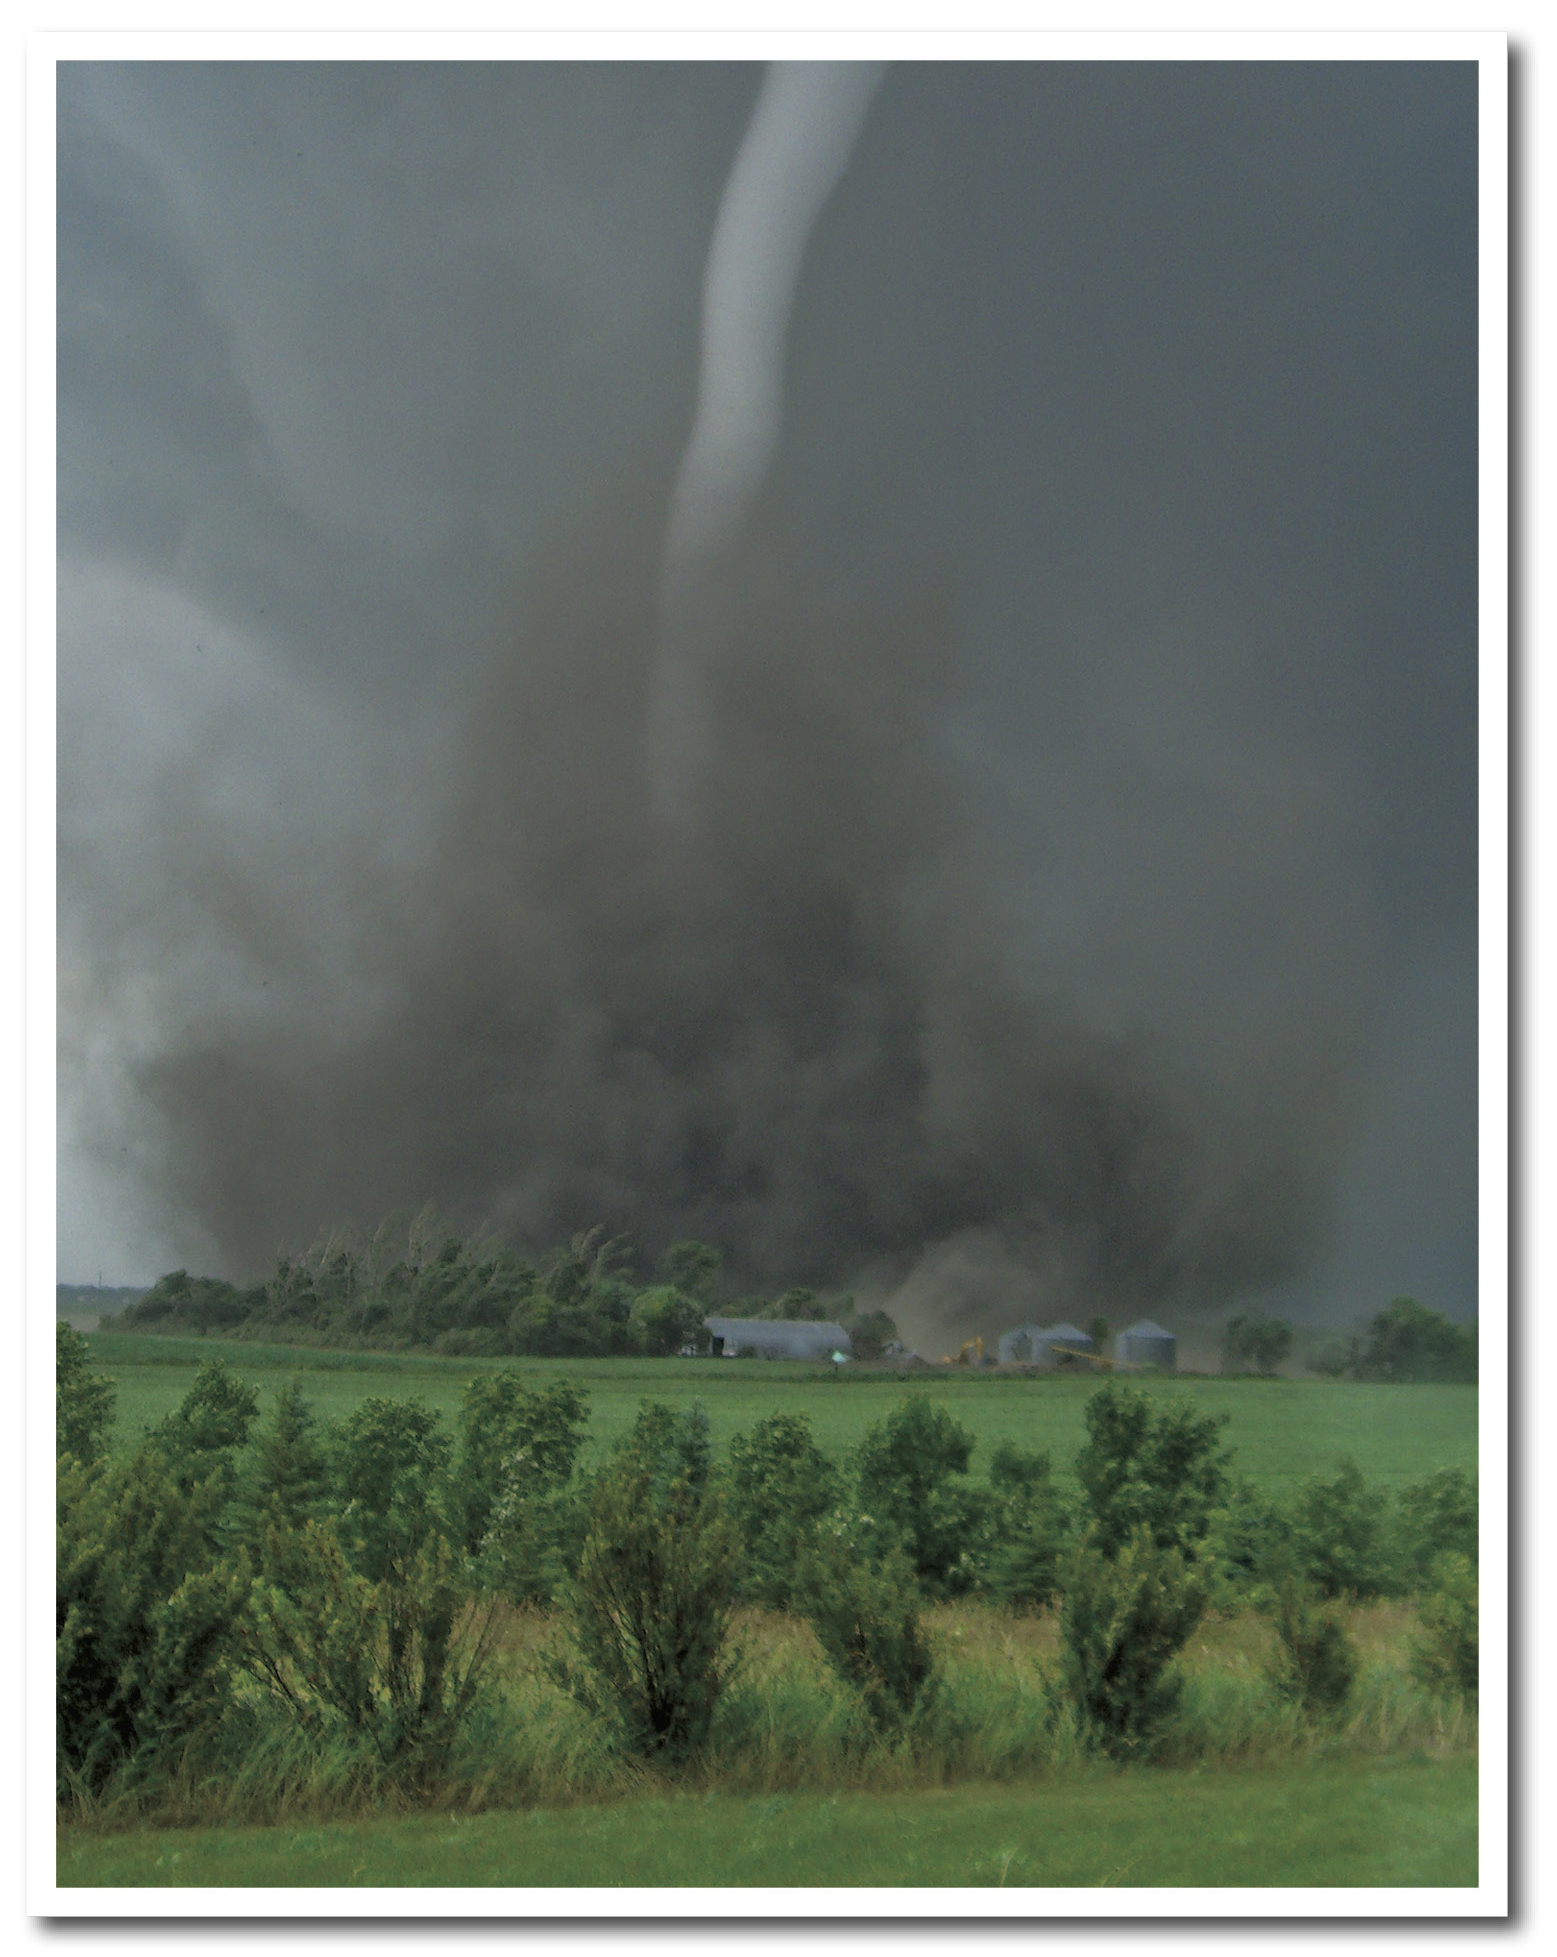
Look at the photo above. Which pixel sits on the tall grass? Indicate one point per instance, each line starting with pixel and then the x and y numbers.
pixel 788 1724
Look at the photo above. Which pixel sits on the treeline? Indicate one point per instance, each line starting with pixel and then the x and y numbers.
pixel 1406 1342
pixel 257 1605
pixel 423 1288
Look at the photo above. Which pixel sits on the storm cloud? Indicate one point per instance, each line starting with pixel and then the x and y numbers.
pixel 1080 903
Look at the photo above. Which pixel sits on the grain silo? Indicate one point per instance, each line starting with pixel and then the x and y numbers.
pixel 1016 1346
pixel 1146 1344
pixel 1044 1345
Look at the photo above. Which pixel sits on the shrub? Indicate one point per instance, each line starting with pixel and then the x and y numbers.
pixel 1248 1544
pixel 1126 1615
pixel 654 1592
pixel 1252 1343
pixel 781 1486
pixel 1436 1517
pixel 398 1659
pixel 1338 1536
pixel 83 1399
pixel 1318 1663
pixel 864 1610
pixel 1152 1465
pixel 908 1467
pixel 147 1605
pixel 1025 1532
pixel 1446 1655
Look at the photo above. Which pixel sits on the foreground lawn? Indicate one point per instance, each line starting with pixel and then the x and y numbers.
pixel 1357 1823
pixel 1281 1430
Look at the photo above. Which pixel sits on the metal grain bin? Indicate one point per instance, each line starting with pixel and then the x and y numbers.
pixel 1146 1344
pixel 1043 1345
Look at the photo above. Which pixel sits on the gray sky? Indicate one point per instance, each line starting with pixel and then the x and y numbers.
pixel 1085 896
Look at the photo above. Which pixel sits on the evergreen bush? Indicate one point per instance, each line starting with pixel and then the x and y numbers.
pixel 1317 1666
pixel 1128 1611
pixel 864 1609
pixel 1447 1651
pixel 1339 1539
pixel 655 1589
pixel 1026 1530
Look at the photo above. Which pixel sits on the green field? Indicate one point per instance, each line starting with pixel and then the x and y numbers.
pixel 792 1789
pixel 1344 1823
pixel 1281 1430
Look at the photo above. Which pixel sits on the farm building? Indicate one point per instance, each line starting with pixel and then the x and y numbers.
pixel 1146 1344
pixel 1043 1345
pixel 777 1338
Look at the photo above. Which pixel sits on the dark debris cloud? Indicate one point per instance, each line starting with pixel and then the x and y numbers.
pixel 1079 908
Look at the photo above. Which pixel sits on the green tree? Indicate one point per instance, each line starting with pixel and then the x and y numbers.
pixel 513 1502
pixel 391 1458
pixel 83 1399
pixel 1252 1343
pixel 781 1487
pixel 203 1304
pixel 912 1470
pixel 288 1478
pixel 1408 1341
pixel 513 1439
pixel 1152 1464
pixel 665 1319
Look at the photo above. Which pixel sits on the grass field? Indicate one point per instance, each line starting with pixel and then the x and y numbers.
pixel 1281 1430
pixel 991 1788
pixel 1344 1823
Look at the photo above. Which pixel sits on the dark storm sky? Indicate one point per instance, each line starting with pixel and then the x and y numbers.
pixel 1099 730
